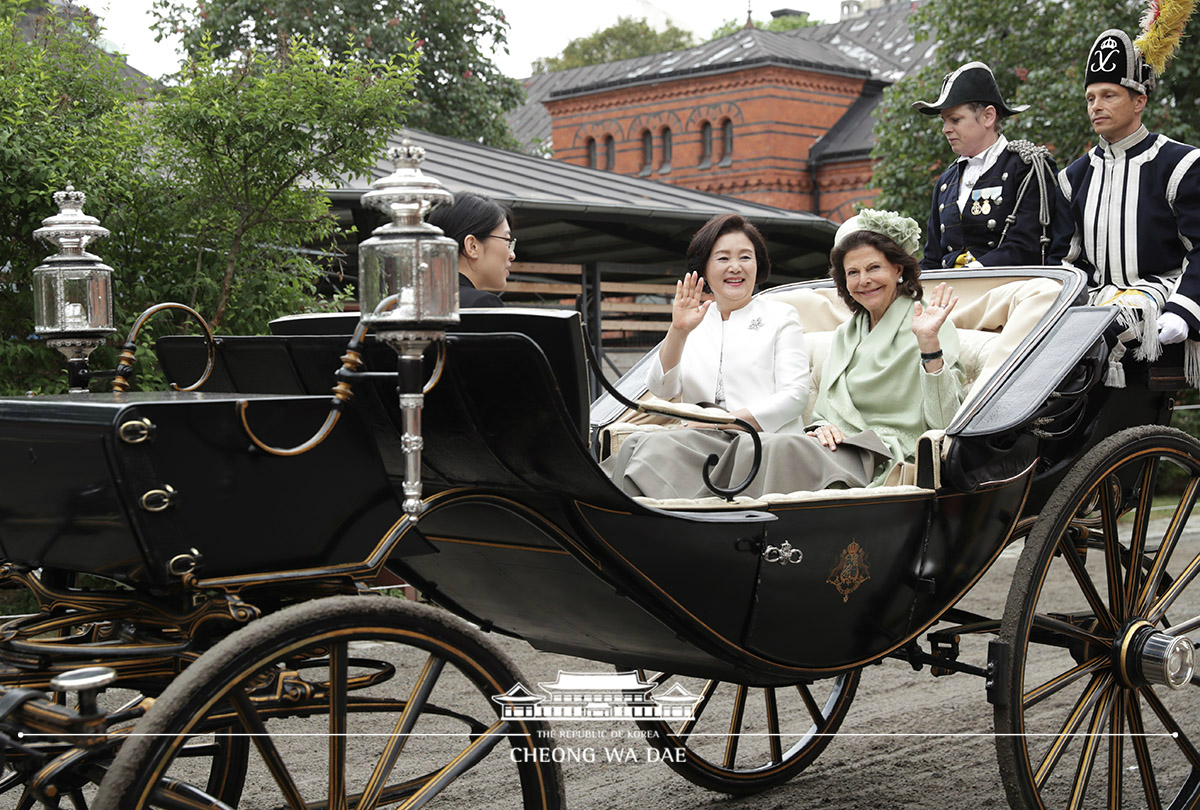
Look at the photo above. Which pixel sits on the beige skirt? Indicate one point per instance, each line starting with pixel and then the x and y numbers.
pixel 668 464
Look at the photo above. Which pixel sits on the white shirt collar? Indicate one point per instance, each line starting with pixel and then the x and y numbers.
pixel 987 157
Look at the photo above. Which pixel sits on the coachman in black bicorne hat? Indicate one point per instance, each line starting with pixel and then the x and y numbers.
pixel 998 203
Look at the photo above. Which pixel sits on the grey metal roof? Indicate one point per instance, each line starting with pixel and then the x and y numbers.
pixel 880 39
pixel 852 137
pixel 571 214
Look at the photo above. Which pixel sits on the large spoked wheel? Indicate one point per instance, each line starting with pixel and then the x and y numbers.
pixel 742 739
pixel 1100 706
pixel 347 702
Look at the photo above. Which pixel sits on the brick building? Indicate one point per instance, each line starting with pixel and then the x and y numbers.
pixel 779 119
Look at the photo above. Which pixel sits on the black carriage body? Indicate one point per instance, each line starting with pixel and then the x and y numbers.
pixel 526 535
pixel 76 496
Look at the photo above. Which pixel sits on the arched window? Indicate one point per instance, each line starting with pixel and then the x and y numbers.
pixel 726 143
pixel 647 152
pixel 667 148
pixel 591 153
pixel 705 145
pixel 610 153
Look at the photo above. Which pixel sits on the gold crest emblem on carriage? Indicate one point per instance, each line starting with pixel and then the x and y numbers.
pixel 850 571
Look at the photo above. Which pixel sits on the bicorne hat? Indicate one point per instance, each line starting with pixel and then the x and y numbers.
pixel 971 82
pixel 1114 59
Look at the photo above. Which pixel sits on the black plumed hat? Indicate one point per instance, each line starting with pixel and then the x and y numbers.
pixel 971 82
pixel 1114 59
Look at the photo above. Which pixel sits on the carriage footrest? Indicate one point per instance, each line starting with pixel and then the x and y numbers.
pixel 997 673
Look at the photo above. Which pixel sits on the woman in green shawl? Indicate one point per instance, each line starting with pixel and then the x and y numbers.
pixel 893 369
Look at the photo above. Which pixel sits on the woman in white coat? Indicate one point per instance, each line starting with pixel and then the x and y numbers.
pixel 742 354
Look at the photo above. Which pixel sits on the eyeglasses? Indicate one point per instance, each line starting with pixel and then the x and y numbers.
pixel 512 240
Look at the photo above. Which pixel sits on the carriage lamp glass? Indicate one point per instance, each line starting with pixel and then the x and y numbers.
pixel 72 290
pixel 408 277
pixel 407 257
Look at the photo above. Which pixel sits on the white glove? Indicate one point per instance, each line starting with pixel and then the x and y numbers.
pixel 1171 328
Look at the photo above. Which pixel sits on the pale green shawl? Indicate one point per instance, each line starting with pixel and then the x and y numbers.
pixel 873 380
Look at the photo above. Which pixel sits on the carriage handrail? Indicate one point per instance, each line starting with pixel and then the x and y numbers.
pixel 708 415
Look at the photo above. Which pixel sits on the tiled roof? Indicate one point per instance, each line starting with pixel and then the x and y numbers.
pixel 571 214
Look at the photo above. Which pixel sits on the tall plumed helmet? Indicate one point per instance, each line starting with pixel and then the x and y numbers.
pixel 1162 28
pixel 1114 59
pixel 902 230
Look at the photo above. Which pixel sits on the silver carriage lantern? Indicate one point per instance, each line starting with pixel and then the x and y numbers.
pixel 72 290
pixel 408 279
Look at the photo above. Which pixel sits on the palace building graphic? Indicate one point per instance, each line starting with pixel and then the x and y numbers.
pixel 598 696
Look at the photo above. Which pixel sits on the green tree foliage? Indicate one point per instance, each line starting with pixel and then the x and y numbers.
pixel 285 127
pixel 1037 49
pixel 208 191
pixel 460 91
pixel 789 22
pixel 625 39
pixel 65 116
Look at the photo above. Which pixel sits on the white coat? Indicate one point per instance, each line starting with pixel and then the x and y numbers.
pixel 761 353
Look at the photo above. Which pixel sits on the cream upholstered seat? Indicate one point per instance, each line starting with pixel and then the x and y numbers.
pixel 993 316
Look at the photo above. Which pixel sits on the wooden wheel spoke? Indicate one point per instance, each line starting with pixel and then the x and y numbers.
pixel 1086 586
pixel 404 726
pixel 1141 753
pixel 1091 744
pixel 1061 681
pixel 172 794
pixel 685 730
pixel 267 749
pixel 813 709
pixel 1112 547
pixel 1116 752
pixel 735 725
pixel 1141 525
pixel 1070 726
pixel 338 727
pixel 1158 568
pixel 773 725
pixel 466 759
pixel 1044 623
pixel 1173 591
pixel 1168 720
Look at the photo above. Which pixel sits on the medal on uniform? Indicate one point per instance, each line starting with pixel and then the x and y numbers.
pixel 976 208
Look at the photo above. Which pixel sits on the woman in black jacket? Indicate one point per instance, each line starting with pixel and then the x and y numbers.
pixel 486 247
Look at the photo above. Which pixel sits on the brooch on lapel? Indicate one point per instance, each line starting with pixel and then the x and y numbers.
pixel 755 324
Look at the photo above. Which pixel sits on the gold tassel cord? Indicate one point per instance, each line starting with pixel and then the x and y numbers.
pixel 1162 29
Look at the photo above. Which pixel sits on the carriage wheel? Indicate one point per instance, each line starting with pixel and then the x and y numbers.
pixel 742 739
pixel 1100 703
pixel 348 702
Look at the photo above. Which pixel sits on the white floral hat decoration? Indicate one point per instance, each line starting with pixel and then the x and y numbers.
pixel 902 230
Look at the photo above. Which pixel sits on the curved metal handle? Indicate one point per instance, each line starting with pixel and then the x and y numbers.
pixel 711 461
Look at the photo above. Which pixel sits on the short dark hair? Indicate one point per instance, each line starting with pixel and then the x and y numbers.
pixel 978 107
pixel 701 246
pixel 471 214
pixel 910 269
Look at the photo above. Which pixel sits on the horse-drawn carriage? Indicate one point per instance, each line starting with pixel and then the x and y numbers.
pixel 200 569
